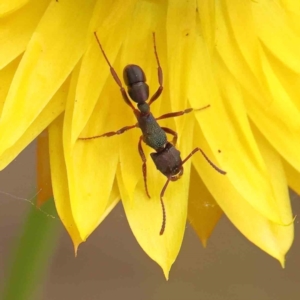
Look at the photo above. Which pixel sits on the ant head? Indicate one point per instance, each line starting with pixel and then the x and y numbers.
pixel 168 162
pixel 135 81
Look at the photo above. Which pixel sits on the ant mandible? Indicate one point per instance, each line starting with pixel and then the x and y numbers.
pixel 166 158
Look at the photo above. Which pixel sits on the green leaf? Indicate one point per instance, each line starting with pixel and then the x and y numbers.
pixel 30 258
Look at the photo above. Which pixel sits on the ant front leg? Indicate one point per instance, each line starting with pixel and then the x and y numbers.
pixel 160 75
pixel 179 113
pixel 144 167
pixel 172 132
pixel 110 133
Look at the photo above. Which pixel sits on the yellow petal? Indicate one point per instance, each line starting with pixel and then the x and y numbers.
pixel 6 76
pixel 226 128
pixel 113 200
pixel 8 7
pixel 52 110
pixel 94 70
pixel 227 47
pixel 289 80
pixel 205 22
pixel 276 175
pixel 16 29
pixel 90 179
pixel 180 38
pixel 145 215
pixel 279 121
pixel 61 37
pixel 44 184
pixel 267 102
pixel 269 17
pixel 203 211
pixel 270 237
pixel 244 38
pixel 292 9
pixel 293 177
pixel 60 181
pixel 138 49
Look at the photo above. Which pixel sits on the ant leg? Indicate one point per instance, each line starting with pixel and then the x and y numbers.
pixel 163 226
pixel 180 113
pixel 109 134
pixel 160 75
pixel 144 167
pixel 170 131
pixel 207 159
pixel 115 76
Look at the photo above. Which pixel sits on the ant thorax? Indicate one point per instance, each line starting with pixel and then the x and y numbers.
pixel 144 107
pixel 153 135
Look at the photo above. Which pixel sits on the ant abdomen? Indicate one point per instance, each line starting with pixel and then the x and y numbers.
pixel 135 80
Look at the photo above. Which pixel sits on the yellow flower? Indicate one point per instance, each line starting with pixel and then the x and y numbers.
pixel 240 57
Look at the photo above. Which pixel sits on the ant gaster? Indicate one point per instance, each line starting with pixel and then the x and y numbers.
pixel 166 158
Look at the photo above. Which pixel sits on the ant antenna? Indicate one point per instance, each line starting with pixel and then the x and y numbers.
pixel 159 74
pixel 201 108
pixel 155 50
pixel 115 75
pixel 163 226
pixel 164 220
pixel 95 33
pixel 112 70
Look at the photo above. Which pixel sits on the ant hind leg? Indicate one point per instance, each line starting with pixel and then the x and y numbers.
pixel 172 132
pixel 144 167
pixel 110 133
pixel 159 74
pixel 180 113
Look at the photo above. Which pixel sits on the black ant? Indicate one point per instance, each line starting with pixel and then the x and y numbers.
pixel 166 158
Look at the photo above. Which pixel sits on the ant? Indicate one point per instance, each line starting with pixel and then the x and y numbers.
pixel 166 158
